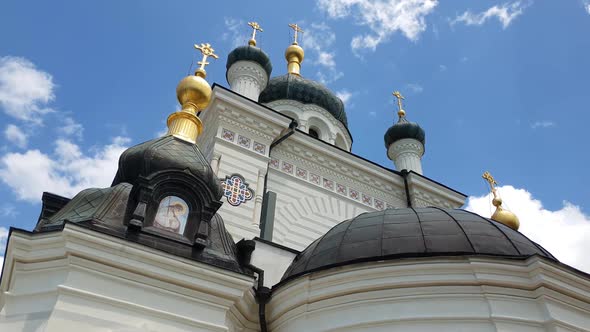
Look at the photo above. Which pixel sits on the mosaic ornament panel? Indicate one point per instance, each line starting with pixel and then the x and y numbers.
pixel 236 190
pixel 341 189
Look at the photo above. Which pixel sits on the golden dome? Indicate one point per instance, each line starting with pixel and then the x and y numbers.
pixel 294 50
pixel 506 217
pixel 194 90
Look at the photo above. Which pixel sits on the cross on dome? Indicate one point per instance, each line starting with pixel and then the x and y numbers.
pixel 297 29
pixel 255 27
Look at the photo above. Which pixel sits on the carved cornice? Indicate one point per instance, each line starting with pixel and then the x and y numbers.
pixel 335 170
pixel 406 145
pixel 246 123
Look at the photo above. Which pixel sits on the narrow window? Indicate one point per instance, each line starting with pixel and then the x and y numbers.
pixel 314 133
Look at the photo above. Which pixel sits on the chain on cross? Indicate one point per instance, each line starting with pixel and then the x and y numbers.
pixel 297 29
pixel 207 51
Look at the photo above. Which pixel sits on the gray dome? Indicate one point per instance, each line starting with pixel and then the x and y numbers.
pixel 249 53
pixel 404 129
pixel 305 91
pixel 412 232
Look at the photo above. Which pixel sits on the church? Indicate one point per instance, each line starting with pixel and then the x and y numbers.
pixel 252 214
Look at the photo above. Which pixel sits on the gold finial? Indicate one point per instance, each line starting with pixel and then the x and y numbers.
pixel 207 51
pixel 255 27
pixel 500 215
pixel 294 53
pixel 194 94
pixel 400 112
pixel 297 29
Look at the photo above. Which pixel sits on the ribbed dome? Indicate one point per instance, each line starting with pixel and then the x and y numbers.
pixel 404 129
pixel 165 153
pixel 305 91
pixel 412 232
pixel 249 53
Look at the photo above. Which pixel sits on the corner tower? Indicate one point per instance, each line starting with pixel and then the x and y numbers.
pixel 248 67
pixel 405 141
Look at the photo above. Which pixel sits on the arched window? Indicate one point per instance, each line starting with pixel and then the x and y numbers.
pixel 313 132
pixel 172 214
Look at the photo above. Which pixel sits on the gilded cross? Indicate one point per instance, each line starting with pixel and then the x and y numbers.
pixel 399 97
pixel 207 51
pixel 297 29
pixel 488 177
pixel 255 27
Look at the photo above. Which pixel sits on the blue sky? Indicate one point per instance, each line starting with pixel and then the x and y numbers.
pixel 498 86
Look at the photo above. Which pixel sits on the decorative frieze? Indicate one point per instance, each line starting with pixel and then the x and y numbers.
pixel 326 183
pixel 243 141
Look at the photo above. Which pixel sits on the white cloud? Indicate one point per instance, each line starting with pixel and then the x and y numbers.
pixel 317 40
pixel 564 232
pixel 71 128
pixel 414 87
pixel 344 95
pixel 382 17
pixel 65 172
pixel 25 91
pixel 235 32
pixel 586 4
pixel 15 135
pixel 505 13
pixel 542 124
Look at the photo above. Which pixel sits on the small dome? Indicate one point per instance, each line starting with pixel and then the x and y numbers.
pixel 165 153
pixel 412 233
pixel 404 129
pixel 305 91
pixel 250 53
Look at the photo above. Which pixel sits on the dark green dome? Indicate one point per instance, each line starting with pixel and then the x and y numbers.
pixel 404 129
pixel 306 91
pixel 249 53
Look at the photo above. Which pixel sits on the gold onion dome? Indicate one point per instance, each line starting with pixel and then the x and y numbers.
pixel 194 94
pixel 501 215
pixel 294 53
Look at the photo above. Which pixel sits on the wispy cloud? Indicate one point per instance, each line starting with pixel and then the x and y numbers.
pixel 16 136
pixel 8 210
pixel 71 128
pixel 235 32
pixel 586 4
pixel 344 95
pixel 505 13
pixel 318 40
pixel 25 91
pixel 542 124
pixel 546 227
pixel 382 17
pixel 414 88
pixel 442 68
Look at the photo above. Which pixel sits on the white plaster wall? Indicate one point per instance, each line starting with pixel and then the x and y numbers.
pixel 274 261
pixel 80 280
pixel 439 294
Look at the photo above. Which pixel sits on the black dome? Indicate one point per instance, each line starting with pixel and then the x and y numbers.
pixel 412 232
pixel 306 91
pixel 249 53
pixel 165 153
pixel 404 129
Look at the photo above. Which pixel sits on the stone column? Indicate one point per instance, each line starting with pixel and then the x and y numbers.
pixel 215 162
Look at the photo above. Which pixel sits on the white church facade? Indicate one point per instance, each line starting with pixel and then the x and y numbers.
pixel 252 214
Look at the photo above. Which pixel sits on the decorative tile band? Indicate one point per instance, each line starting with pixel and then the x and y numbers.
pixel 328 184
pixel 243 141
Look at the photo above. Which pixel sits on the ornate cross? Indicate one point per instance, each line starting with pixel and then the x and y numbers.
pixel 297 29
pixel 488 177
pixel 255 27
pixel 207 51
pixel 399 97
